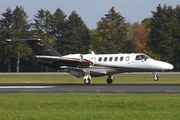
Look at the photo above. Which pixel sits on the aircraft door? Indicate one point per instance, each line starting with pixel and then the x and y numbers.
pixel 92 59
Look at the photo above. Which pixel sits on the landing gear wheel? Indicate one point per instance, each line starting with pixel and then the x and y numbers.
pixel 109 81
pixel 87 81
pixel 156 78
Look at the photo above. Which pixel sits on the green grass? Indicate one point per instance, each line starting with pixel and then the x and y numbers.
pixel 74 106
pixel 66 78
pixel 34 106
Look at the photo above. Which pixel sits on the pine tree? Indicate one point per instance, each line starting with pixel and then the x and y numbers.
pixel 162 38
pixel 6 33
pixel 39 21
pixel 58 26
pixel 43 26
pixel 20 28
pixel 75 36
pixel 111 33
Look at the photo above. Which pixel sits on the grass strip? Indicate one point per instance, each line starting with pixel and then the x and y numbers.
pixel 66 78
pixel 58 106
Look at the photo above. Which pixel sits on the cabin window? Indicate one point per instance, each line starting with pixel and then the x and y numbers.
pixel 100 59
pixel 127 58
pixel 121 58
pixel 110 59
pixel 105 59
pixel 116 58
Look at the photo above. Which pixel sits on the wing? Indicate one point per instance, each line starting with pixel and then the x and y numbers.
pixel 58 61
pixel 80 72
pixel 75 62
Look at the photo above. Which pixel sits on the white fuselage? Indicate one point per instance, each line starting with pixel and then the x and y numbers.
pixel 118 63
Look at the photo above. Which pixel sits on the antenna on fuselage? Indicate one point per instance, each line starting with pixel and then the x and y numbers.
pixel 92 52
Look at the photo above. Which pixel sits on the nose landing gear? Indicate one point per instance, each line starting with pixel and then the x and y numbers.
pixel 156 78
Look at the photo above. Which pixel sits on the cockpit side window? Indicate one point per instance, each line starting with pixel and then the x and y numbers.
pixel 142 57
pixel 138 57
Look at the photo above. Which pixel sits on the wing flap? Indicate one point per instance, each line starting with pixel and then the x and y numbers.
pixel 80 72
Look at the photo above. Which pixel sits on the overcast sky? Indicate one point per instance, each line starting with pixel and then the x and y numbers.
pixel 91 11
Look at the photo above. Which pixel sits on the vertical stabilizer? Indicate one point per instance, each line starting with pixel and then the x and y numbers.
pixel 41 48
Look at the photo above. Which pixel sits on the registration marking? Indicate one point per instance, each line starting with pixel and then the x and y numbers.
pixel 27 87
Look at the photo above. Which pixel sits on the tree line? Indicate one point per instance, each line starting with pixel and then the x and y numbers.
pixel 158 36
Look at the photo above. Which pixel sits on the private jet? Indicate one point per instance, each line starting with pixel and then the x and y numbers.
pixel 95 65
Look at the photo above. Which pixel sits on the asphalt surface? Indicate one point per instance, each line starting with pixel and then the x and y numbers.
pixel 92 88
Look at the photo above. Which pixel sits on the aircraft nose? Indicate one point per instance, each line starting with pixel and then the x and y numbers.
pixel 168 66
pixel 164 65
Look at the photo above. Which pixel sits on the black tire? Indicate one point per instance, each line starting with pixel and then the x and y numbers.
pixel 156 78
pixel 87 81
pixel 109 81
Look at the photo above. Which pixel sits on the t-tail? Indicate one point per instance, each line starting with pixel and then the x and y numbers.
pixel 44 53
pixel 41 48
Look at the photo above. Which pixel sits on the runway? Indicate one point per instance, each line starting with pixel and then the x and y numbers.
pixel 92 88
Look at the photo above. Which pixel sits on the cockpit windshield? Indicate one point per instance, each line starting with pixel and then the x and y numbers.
pixel 142 57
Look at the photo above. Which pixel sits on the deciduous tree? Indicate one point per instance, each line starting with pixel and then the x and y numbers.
pixel 140 38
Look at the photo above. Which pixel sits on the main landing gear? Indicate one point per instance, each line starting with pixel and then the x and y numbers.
pixel 87 79
pixel 110 79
